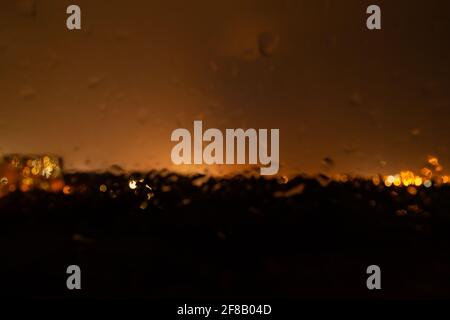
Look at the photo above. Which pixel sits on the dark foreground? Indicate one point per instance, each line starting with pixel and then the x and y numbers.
pixel 249 238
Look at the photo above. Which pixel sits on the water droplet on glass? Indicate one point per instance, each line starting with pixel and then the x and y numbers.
pixel 327 162
pixel 267 43
pixel 415 132
pixel 132 184
pixel 143 205
pixel 116 170
pixel 4 181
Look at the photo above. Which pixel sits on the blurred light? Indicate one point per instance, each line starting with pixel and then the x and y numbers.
pixel 284 179
pixel 35 171
pixel 132 184
pixel 27 181
pixel 67 189
pixel 103 188
pixel 407 178
pixel 376 181
pixel 389 180
pixel 433 161
pixel 397 181
pixel 57 185
pixel 341 178
pixel 24 188
pixel 426 172
pixel 26 172
pixel 15 162
pixel 418 181
pixel 427 183
pixel 166 188
pixel 4 181
pixel 412 190
pixel 143 205
pixel 45 185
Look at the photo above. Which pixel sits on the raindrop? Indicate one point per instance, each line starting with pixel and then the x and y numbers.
pixel 415 132
pixel 267 43
pixel 4 181
pixel 327 162
pixel 143 205
pixel 295 190
pixel 116 170
pixel 427 183
pixel 132 184
pixel 200 180
pixel 323 180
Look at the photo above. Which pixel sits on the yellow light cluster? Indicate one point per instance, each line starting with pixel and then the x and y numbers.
pixel 429 175
pixel 33 172
pixel 406 179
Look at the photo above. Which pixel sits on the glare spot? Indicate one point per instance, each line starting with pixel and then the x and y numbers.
pixel 132 184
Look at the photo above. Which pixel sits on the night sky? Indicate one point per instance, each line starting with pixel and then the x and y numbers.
pixel 112 93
